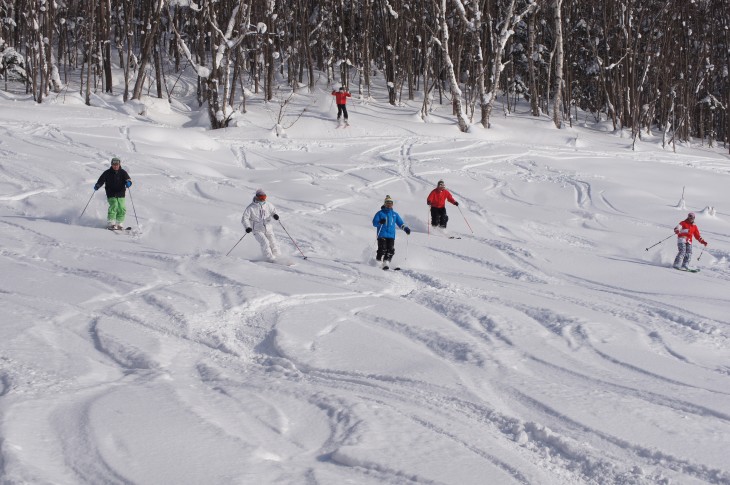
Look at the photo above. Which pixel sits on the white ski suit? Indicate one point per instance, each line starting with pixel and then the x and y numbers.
pixel 259 217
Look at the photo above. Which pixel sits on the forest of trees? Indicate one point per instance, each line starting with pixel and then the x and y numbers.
pixel 644 65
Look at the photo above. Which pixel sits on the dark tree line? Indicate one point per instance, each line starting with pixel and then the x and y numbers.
pixel 642 65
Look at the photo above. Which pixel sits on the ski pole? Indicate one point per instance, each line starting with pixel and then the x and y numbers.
pixel 428 222
pixel 87 204
pixel 292 240
pixel 659 242
pixel 234 246
pixel 467 222
pixel 377 237
pixel 701 252
pixel 407 241
pixel 133 209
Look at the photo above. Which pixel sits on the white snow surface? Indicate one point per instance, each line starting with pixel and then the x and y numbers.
pixel 546 346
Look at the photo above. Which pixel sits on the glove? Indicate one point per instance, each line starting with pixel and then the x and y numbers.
pixel 428 203
pixel 408 231
pixel 276 217
pixel 382 221
pixel 248 229
pixel 456 204
pixel 128 183
pixel 96 187
pixel 704 243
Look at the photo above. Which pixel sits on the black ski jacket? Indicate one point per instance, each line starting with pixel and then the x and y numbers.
pixel 113 181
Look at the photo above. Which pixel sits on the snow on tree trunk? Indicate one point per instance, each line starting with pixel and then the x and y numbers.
pixel 455 91
pixel 507 23
pixel 559 56
pixel 153 23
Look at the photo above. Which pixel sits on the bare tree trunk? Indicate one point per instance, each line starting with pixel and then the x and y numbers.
pixel 366 44
pixel 158 70
pixel 558 101
pixel 507 22
pixel 534 96
pixel 308 54
pixel 150 39
pixel 90 43
pixel 454 85
pixel 105 42
pixel 127 36
pixel 41 56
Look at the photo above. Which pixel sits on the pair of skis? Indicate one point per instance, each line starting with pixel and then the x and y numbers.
pixel 440 233
pixel 689 270
pixel 123 230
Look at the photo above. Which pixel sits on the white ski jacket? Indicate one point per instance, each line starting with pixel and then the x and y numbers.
pixel 258 216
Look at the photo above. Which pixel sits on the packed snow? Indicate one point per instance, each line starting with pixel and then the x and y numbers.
pixel 547 342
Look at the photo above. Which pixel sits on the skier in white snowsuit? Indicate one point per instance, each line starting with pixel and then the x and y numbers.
pixel 257 218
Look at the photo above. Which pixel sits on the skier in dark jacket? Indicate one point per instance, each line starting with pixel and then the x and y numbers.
pixel 386 220
pixel 115 181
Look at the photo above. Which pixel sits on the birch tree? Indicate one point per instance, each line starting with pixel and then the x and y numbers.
pixel 507 22
pixel 443 43
pixel 559 56
pixel 152 25
pixel 216 76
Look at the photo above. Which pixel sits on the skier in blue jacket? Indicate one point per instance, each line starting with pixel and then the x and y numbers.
pixel 386 221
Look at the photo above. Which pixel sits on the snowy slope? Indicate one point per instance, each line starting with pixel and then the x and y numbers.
pixel 546 346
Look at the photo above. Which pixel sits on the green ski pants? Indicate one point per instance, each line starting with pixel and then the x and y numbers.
pixel 117 209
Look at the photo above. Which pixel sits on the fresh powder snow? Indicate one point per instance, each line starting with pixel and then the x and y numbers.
pixel 547 345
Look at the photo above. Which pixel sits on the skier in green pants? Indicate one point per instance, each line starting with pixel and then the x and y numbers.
pixel 116 181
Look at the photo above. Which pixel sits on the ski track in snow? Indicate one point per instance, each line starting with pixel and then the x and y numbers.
pixel 495 350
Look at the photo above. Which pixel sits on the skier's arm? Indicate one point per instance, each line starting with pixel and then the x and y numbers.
pixel 450 198
pixel 100 182
pixel 699 238
pixel 246 219
pixel 127 179
pixel 402 225
pixel 271 211
pixel 376 219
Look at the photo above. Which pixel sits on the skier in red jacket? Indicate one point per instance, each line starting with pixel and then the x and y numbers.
pixel 685 230
pixel 341 99
pixel 437 200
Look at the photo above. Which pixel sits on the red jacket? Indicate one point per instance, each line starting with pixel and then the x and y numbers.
pixel 341 96
pixel 685 230
pixel 438 197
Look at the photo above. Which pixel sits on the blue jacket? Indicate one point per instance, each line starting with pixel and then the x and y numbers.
pixel 392 219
